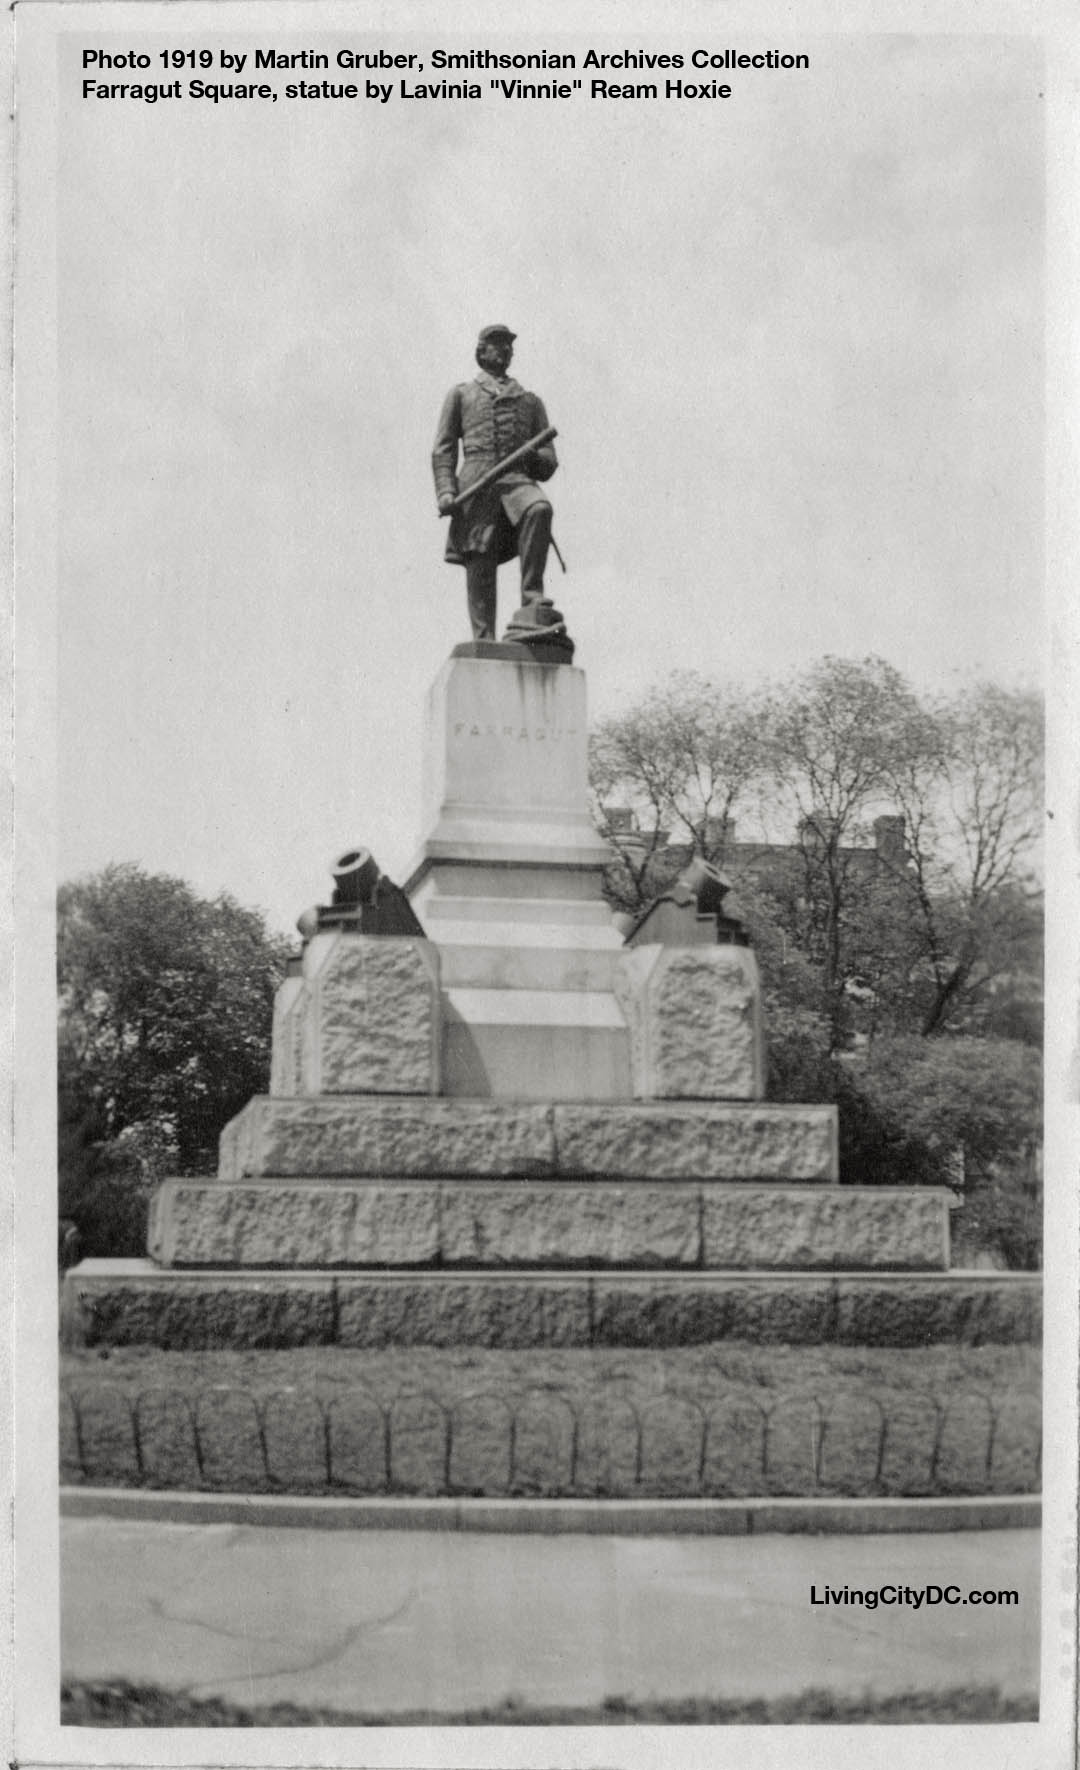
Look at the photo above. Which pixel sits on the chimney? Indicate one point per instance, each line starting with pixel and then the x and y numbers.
pixel 814 829
pixel 719 835
pixel 619 819
pixel 889 839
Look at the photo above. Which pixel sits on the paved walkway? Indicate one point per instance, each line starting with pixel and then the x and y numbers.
pixel 383 1621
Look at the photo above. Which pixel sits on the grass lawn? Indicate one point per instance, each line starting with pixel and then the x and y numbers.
pixel 705 1371
pixel 730 1418
pixel 119 1704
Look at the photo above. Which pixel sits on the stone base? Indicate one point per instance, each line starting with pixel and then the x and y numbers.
pixel 694 1018
pixel 418 1138
pixel 363 1017
pixel 133 1302
pixel 534 1044
pixel 540 627
pixel 546 1223
pixel 508 882
pixel 528 958
pixel 512 651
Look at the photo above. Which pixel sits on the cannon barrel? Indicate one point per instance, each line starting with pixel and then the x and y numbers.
pixel 356 874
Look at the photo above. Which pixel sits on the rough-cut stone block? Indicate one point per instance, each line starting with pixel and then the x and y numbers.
pixel 313 1222
pixel 447 1310
pixel 294 1223
pixel 836 1226
pixel 692 1312
pixel 699 1141
pixel 370 1016
pixel 694 1018
pixel 285 1046
pixel 542 1224
pixel 236 1144
pixel 972 1310
pixel 380 1137
pixel 130 1302
pixel 127 1303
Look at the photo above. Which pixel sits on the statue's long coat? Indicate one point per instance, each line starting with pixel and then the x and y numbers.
pixel 489 421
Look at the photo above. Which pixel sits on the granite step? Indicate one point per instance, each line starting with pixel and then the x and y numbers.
pixel 134 1302
pixel 417 1136
pixel 553 1224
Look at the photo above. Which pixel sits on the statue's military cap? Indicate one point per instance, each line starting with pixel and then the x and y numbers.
pixel 487 332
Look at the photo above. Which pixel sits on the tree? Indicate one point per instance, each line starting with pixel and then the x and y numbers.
pixel 836 731
pixel 935 926
pixel 896 914
pixel 673 769
pixel 165 1012
pixel 972 808
pixel 959 1111
pixel 946 932
pixel 106 1185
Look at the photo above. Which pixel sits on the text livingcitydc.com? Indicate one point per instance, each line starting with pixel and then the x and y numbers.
pixel 912 1596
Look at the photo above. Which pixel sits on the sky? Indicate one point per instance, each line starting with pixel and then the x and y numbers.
pixel 792 343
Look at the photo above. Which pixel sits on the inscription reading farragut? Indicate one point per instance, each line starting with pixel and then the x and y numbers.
pixel 539 734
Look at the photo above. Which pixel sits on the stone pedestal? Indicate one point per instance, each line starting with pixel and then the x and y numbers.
pixel 516 1131
pixel 505 767
pixel 508 886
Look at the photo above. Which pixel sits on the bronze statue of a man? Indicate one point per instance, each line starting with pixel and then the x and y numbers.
pixel 490 417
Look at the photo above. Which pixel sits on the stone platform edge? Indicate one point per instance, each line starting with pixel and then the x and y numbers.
pixel 416 1137
pixel 546 1224
pixel 134 1302
pixel 599 1517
